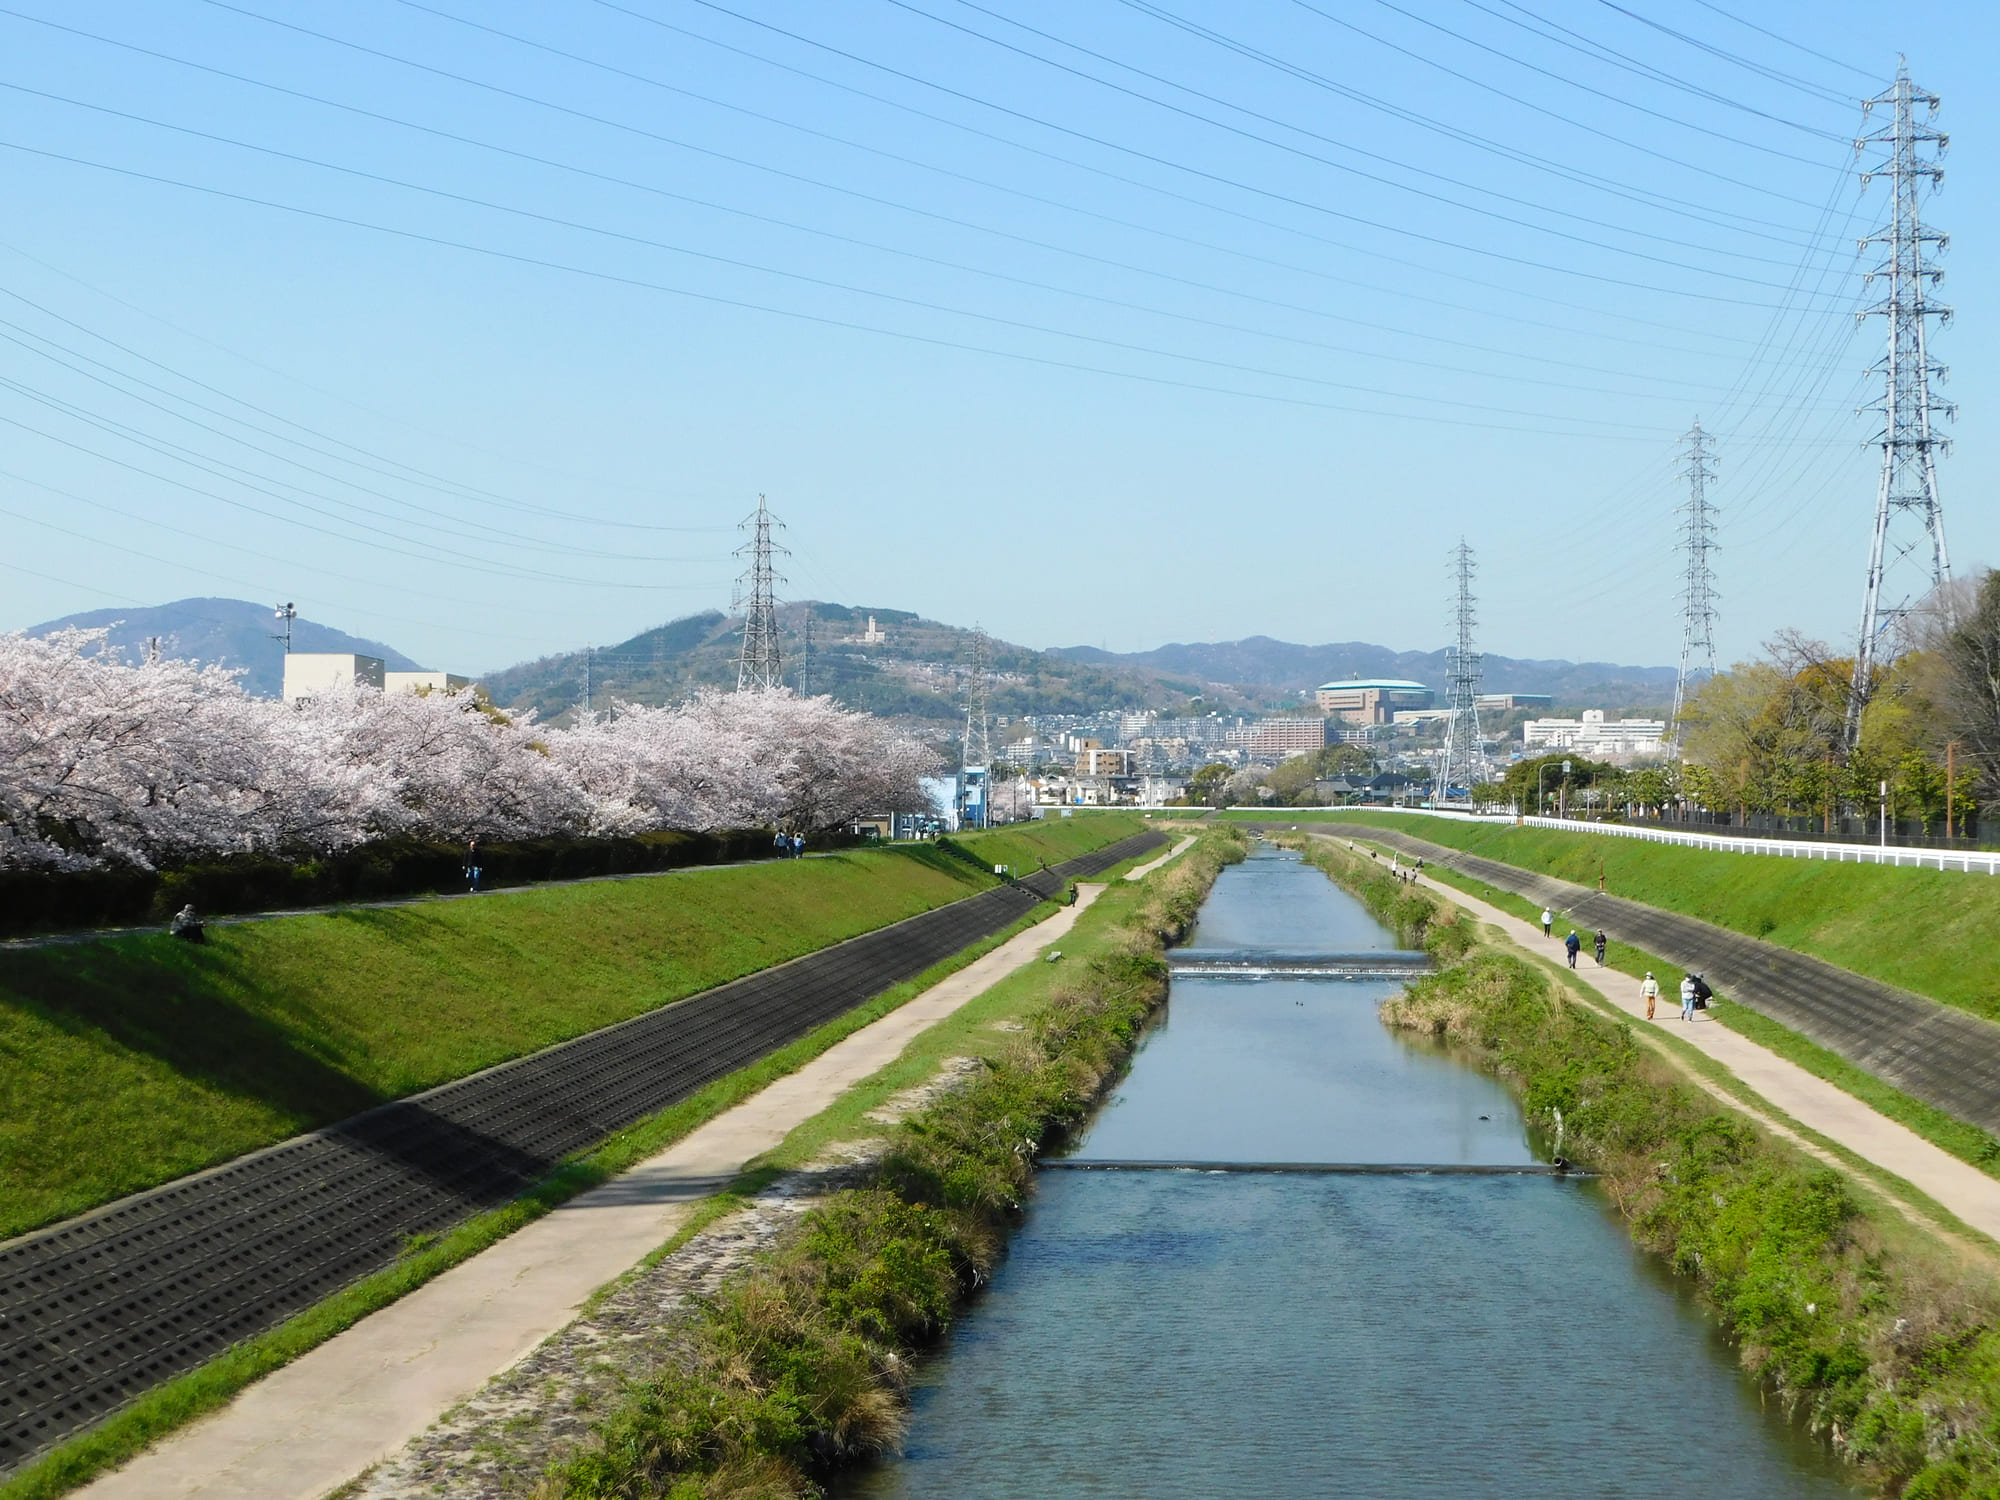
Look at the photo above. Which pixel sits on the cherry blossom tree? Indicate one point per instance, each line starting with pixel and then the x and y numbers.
pixel 103 763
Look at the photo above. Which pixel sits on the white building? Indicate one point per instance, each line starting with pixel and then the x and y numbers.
pixel 1595 735
pixel 873 635
pixel 311 673
pixel 420 682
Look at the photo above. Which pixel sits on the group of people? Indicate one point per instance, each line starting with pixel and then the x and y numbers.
pixel 790 845
pixel 1695 992
pixel 1695 995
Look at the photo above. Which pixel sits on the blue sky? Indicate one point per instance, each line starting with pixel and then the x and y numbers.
pixel 476 328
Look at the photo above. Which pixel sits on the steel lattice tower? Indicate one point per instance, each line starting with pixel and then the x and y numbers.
pixel 1698 590
pixel 1464 761
pixel 1908 495
pixel 762 662
pixel 976 747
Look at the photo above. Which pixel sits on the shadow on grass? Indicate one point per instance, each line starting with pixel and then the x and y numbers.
pixel 167 1001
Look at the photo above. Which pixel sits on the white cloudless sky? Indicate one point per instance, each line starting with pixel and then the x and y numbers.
pixel 475 328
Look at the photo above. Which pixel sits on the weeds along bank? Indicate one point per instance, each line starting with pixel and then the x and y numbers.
pixel 801 1363
pixel 1887 1342
pixel 1923 930
pixel 127 1062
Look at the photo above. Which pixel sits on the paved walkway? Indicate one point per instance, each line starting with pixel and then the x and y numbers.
pixel 321 1420
pixel 1140 872
pixel 1816 1104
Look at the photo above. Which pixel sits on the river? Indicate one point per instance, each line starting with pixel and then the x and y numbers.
pixel 1189 1333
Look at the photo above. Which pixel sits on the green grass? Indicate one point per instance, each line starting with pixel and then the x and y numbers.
pixel 130 1061
pixel 159 1412
pixel 1968 1142
pixel 1929 931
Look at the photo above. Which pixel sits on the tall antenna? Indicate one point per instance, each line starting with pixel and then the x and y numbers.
pixel 761 665
pixel 589 653
pixel 285 614
pixel 976 749
pixel 1908 495
pixel 1698 592
pixel 805 659
pixel 1463 762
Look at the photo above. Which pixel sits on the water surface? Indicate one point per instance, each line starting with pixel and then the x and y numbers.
pixel 1200 1334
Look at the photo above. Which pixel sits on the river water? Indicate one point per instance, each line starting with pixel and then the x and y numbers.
pixel 1189 1333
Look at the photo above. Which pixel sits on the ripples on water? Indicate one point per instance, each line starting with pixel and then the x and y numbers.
pixel 1207 1334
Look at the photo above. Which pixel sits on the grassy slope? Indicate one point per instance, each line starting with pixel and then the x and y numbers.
pixel 132 1061
pixel 1968 1142
pixel 1930 931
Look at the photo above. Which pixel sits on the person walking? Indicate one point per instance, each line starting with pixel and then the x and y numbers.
pixel 1651 991
pixel 1600 948
pixel 1571 945
pixel 1548 922
pixel 1687 998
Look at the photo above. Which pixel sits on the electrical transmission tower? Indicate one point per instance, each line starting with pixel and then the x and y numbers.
pixel 1464 762
pixel 976 749
pixel 806 659
pixel 1698 592
pixel 1907 511
pixel 762 662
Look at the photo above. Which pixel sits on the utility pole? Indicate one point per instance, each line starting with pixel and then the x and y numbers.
pixel 1462 752
pixel 285 615
pixel 761 666
pixel 805 659
pixel 589 653
pixel 1698 591
pixel 1907 497
pixel 975 757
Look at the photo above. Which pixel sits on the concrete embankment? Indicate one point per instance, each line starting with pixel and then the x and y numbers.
pixel 1932 1052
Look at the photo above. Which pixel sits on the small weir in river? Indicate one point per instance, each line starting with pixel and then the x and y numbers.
pixel 1199 1329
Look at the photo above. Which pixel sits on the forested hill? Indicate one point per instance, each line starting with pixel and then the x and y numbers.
pixel 1258 664
pixel 917 672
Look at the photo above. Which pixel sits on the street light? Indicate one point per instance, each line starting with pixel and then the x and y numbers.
pixel 1540 792
pixel 1885 815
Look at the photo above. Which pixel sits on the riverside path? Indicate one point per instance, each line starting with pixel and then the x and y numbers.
pixel 1932 1052
pixel 102 1308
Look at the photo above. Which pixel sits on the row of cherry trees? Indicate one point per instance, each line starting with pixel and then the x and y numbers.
pixel 103 763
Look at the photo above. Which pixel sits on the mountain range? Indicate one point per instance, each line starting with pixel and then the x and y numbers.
pixel 909 667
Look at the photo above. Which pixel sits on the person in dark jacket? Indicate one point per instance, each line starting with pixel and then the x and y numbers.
pixel 1571 945
pixel 187 926
pixel 1600 948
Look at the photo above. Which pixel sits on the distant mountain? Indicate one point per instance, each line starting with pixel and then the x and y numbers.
pixel 1260 666
pixel 917 670
pixel 227 632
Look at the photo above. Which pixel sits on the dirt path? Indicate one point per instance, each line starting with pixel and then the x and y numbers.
pixel 323 1419
pixel 1816 1104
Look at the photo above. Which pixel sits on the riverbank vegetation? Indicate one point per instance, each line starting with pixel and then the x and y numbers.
pixel 126 1062
pixel 800 1363
pixel 1921 930
pixel 1889 1345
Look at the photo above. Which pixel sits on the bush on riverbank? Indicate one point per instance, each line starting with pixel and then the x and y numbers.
pixel 1891 1350
pixel 800 1363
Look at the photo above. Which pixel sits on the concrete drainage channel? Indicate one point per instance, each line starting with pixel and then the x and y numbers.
pixel 98 1310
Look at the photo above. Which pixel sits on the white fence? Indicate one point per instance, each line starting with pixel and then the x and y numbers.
pixel 1973 862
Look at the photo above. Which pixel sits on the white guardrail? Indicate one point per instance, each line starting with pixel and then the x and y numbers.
pixel 1973 862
